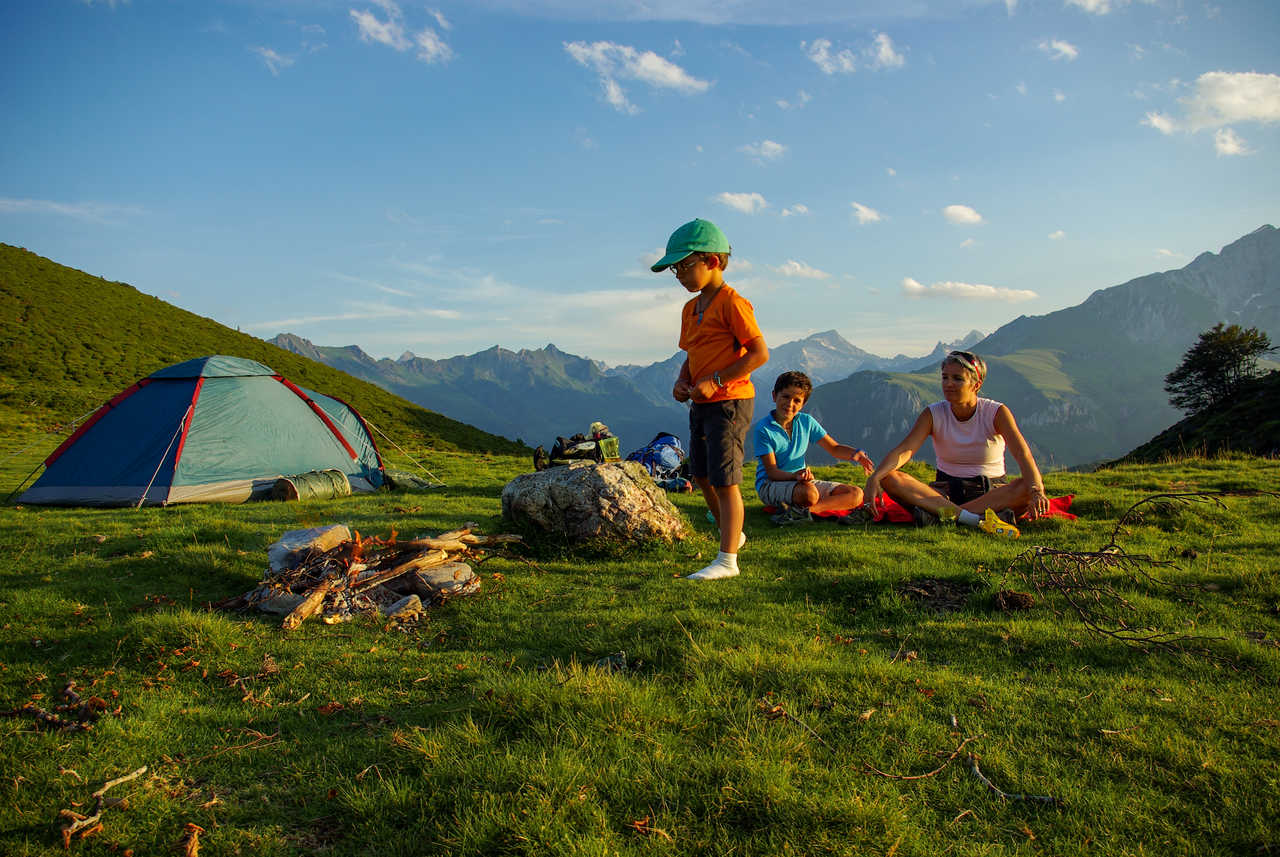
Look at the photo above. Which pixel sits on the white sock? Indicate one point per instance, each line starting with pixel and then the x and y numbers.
pixel 724 565
pixel 742 539
pixel 969 519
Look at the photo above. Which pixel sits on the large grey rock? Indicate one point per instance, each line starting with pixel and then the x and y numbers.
pixel 585 501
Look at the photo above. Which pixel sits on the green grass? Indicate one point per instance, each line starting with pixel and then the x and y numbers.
pixel 491 729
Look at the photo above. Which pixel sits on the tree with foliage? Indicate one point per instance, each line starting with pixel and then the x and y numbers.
pixel 1214 368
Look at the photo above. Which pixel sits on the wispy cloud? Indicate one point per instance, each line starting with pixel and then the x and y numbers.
pixel 1162 123
pixel 272 60
pixel 766 150
pixel 883 54
pixel 1057 235
pixel 612 61
pixel 1226 142
pixel 1094 7
pixel 795 210
pixel 802 98
pixel 792 268
pixel 965 291
pixel 390 30
pixel 747 203
pixel 1057 49
pixel 865 214
pixel 838 62
pixel 110 4
pixel 962 214
pixel 94 212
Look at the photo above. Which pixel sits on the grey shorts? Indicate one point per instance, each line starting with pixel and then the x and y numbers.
pixel 717 431
pixel 779 493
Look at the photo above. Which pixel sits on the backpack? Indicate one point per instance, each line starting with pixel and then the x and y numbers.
pixel 663 456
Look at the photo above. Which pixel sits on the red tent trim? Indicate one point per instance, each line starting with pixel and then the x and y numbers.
pixel 319 411
pixel 97 415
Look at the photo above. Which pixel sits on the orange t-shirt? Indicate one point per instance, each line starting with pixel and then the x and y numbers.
pixel 717 340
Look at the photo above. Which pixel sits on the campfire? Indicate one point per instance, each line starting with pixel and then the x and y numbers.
pixel 336 575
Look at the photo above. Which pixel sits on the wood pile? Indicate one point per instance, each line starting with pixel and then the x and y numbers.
pixel 335 575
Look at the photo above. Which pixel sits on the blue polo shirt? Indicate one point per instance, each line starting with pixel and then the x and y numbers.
pixel 788 450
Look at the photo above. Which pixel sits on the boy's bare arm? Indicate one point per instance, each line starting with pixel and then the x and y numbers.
pixel 683 389
pixel 769 462
pixel 841 452
pixel 757 354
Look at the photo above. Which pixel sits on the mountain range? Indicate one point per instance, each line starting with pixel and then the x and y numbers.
pixel 1086 383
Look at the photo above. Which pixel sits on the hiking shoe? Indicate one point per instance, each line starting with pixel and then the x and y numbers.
pixel 792 515
pixel 998 526
pixel 541 461
pixel 861 515
pixel 923 517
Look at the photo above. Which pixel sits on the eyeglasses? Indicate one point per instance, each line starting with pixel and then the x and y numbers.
pixel 688 262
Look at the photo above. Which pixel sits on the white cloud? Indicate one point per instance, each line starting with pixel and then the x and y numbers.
pixel 95 212
pixel 795 210
pixel 766 149
pixel 108 3
pixel 1093 7
pixel 612 62
pixel 273 60
pixel 1021 88
pixel 883 54
pixel 390 31
pixel 965 291
pixel 792 268
pixel 865 214
pixel 1221 98
pixel 890 171
pixel 1226 142
pixel 1169 253
pixel 962 214
pixel 1160 122
pixel 431 48
pixel 1010 6
pixel 1057 235
pixel 1059 96
pixel 747 203
pixel 1059 50
pixel 820 53
pixel 802 98
pixel 968 242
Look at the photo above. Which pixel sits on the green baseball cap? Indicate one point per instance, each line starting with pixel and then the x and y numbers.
pixel 696 236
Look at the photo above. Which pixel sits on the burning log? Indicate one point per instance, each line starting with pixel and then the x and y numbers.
pixel 334 574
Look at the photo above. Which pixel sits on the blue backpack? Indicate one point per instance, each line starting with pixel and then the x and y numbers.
pixel 662 456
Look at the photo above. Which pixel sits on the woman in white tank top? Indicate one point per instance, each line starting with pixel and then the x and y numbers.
pixel 970 435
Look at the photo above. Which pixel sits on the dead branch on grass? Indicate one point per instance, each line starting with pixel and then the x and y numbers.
pixel 75 715
pixel 71 823
pixel 1083 579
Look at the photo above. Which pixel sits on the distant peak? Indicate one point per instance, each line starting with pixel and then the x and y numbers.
pixel 406 357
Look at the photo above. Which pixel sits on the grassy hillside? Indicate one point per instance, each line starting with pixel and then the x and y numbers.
pixel 826 702
pixel 1249 423
pixel 69 341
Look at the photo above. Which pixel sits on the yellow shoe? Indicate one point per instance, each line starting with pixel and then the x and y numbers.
pixel 996 526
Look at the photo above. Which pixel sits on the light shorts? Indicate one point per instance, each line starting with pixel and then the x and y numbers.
pixel 779 493
pixel 717 431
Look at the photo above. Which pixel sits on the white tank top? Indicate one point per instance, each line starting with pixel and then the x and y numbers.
pixel 971 447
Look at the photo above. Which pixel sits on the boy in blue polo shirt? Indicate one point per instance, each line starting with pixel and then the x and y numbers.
pixel 781 441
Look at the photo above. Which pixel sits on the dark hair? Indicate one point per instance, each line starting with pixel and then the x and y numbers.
pixel 793 379
pixel 972 365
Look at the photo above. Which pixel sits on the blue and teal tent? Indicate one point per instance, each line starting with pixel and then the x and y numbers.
pixel 211 430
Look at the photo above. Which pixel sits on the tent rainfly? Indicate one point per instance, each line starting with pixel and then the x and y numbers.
pixel 210 430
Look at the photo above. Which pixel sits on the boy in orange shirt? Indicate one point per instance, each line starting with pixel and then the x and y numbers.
pixel 723 344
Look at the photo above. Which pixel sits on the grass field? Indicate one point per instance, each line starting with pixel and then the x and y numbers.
pixel 766 714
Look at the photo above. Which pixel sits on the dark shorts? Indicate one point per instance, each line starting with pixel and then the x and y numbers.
pixel 962 489
pixel 717 431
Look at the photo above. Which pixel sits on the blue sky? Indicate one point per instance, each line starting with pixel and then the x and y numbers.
pixel 444 177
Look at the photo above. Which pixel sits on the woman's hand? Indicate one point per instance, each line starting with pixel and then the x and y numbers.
pixel 804 474
pixel 862 458
pixel 872 492
pixel 1038 505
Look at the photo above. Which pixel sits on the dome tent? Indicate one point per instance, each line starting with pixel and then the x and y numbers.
pixel 214 430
